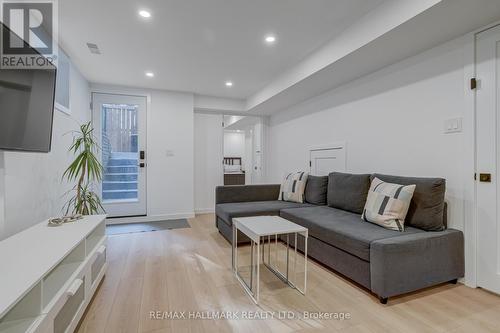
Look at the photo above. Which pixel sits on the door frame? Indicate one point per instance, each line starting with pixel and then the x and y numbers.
pixel 470 157
pixel 117 90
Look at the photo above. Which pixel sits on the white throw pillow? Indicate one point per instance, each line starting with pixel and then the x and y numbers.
pixel 293 187
pixel 387 204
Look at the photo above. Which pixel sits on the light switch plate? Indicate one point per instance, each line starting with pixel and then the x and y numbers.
pixel 453 125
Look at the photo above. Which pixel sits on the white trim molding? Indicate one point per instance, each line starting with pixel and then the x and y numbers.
pixel 148 218
pixel 204 211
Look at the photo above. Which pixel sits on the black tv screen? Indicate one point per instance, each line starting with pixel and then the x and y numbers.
pixel 27 109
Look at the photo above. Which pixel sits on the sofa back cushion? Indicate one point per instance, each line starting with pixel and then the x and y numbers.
pixel 348 191
pixel 316 189
pixel 426 210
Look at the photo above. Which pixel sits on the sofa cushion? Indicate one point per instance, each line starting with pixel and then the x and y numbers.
pixel 427 205
pixel 316 189
pixel 342 229
pixel 387 204
pixel 293 187
pixel 227 211
pixel 348 191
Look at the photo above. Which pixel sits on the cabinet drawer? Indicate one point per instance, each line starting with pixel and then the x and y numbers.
pixel 98 264
pixel 75 299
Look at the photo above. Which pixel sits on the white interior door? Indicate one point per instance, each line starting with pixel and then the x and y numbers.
pixel 487 133
pixel 326 160
pixel 120 126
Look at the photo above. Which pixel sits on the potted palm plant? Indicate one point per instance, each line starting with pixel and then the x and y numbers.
pixel 86 170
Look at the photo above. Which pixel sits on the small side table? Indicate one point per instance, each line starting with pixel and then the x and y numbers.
pixel 258 228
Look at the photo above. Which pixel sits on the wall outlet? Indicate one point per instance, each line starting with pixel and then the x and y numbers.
pixel 453 125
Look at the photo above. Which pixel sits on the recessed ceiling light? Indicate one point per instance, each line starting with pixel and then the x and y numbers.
pixel 150 74
pixel 229 84
pixel 145 13
pixel 270 39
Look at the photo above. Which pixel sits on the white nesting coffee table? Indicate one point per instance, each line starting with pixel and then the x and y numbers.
pixel 258 228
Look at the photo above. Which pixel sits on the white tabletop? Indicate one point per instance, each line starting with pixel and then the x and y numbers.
pixel 259 226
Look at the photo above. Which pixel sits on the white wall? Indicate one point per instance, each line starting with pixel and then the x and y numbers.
pixel 170 178
pixel 391 120
pixel 170 150
pixel 31 182
pixel 234 144
pixel 208 141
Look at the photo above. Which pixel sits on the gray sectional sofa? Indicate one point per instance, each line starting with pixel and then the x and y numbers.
pixel 387 262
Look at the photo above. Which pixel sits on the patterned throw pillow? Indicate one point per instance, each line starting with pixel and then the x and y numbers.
pixel 293 186
pixel 387 204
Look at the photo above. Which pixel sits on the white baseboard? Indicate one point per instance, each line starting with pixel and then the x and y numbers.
pixel 204 211
pixel 149 218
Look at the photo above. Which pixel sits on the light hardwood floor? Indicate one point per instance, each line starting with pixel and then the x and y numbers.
pixel 190 270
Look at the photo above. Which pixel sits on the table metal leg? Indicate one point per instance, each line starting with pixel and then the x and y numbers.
pixel 276 249
pixel 295 262
pixel 287 254
pixel 235 247
pixel 251 266
pixel 258 271
pixel 305 262
pixel 254 292
pixel 269 249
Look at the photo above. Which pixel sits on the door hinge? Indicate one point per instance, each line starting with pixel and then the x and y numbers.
pixel 475 176
pixel 310 164
pixel 473 83
pixel 91 105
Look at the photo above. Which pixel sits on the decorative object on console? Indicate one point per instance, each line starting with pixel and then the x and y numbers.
pixel 58 221
pixel 86 170
pixel 293 187
pixel 387 204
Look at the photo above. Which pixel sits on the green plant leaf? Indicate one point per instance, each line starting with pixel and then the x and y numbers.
pixel 86 169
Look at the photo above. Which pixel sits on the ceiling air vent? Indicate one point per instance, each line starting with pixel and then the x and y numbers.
pixel 93 48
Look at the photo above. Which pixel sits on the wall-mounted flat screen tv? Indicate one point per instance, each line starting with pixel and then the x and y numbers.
pixel 26 108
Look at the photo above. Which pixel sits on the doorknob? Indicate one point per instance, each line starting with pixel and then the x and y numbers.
pixel 485 177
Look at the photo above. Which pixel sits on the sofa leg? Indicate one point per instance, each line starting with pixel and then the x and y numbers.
pixel 383 300
pixel 454 281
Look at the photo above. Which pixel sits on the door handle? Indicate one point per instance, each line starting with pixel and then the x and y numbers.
pixel 485 177
pixel 142 165
pixel 142 154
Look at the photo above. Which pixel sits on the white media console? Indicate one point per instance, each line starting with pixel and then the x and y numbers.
pixel 48 275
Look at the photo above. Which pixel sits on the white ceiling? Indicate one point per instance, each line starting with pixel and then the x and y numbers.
pixel 196 45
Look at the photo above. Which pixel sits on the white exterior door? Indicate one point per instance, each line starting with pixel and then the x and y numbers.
pixel 488 150
pixel 120 127
pixel 326 160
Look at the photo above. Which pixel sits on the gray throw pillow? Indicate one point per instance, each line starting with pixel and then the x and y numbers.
pixel 348 191
pixel 316 189
pixel 426 210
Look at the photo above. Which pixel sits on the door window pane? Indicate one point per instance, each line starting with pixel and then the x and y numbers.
pixel 120 152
